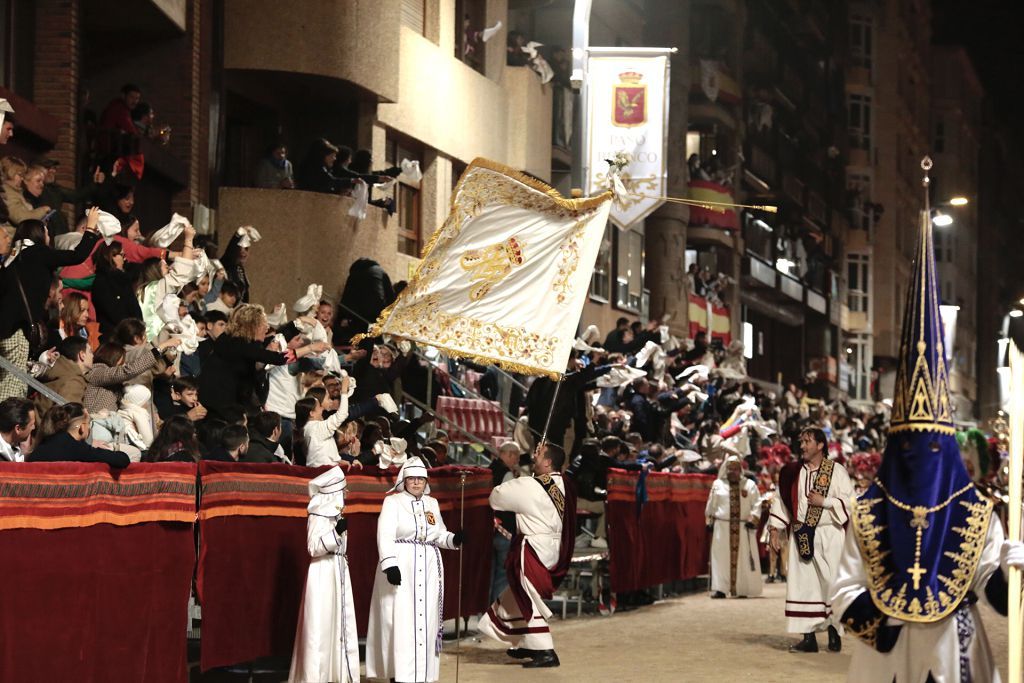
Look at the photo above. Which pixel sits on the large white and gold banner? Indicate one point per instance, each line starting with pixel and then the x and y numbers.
pixel 504 279
pixel 627 117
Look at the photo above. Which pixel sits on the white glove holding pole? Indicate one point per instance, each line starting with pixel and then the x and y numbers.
pixel 1011 554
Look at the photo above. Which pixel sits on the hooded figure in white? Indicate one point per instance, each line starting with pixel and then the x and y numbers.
pixel 403 641
pixel 732 512
pixel 326 644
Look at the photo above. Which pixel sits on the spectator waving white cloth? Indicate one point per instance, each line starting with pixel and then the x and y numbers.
pixel 403 641
pixel 733 502
pixel 361 199
pixel 108 226
pixel 504 279
pixel 176 326
pixel 166 235
pixel 326 643
pixel 620 376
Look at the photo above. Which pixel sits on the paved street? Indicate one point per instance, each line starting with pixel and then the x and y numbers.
pixel 691 639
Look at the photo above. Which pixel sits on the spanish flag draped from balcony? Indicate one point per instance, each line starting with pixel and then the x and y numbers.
pixel 699 312
pixel 707 191
pixel 504 279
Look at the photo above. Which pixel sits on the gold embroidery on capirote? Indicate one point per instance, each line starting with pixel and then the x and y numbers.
pixel 881 583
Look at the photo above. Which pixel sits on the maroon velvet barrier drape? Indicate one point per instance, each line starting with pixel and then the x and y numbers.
pixel 664 539
pixel 252 569
pixel 95 604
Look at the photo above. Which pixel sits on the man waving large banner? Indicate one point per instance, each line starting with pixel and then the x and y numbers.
pixel 504 279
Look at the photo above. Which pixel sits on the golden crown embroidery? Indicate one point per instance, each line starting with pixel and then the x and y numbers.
pixel 490 265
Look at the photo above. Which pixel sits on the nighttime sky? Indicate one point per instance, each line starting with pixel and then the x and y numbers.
pixel 991 31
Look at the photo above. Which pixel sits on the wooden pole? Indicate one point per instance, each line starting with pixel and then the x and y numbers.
pixel 1016 471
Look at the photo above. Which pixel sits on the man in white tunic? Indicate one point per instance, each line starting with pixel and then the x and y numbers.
pixel 545 509
pixel 812 505
pixel 733 512
pixel 403 641
pixel 924 543
pixel 326 644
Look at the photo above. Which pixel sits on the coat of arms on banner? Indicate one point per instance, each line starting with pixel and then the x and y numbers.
pixel 709 78
pixel 630 100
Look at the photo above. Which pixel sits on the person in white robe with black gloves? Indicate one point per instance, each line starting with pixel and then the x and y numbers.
pixel 924 546
pixel 326 644
pixel 545 507
pixel 733 512
pixel 812 505
pixel 403 642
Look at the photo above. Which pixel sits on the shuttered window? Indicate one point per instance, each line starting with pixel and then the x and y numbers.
pixel 412 15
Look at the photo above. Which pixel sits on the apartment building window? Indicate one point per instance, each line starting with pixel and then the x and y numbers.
pixel 858 357
pixel 861 207
pixel 858 279
pixel 407 196
pixel 859 120
pixel 629 269
pixel 940 137
pixel 601 281
pixel 414 15
pixel 860 42
pixel 470 21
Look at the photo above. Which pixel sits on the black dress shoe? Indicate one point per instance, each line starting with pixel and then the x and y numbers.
pixel 521 653
pixel 808 644
pixel 542 659
pixel 717 595
pixel 835 643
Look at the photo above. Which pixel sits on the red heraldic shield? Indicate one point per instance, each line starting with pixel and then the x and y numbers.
pixel 630 100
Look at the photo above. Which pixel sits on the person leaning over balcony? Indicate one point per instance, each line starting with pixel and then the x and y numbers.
pixel 49 193
pixel 316 172
pixel 274 172
pixel 25 281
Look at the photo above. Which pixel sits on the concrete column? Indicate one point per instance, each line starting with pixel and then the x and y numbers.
pixel 669 26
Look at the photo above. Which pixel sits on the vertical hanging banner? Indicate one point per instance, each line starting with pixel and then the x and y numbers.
pixel 627 119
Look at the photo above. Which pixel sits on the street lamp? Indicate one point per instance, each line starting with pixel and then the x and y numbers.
pixel 959 201
pixel 942 220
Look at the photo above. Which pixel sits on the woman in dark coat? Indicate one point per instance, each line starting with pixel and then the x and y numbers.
pixel 112 292
pixel 29 270
pixel 230 374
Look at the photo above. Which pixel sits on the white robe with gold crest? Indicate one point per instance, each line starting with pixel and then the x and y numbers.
pixel 403 640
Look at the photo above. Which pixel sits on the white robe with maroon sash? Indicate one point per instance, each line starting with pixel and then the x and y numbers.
pixel 808 606
pixel 540 524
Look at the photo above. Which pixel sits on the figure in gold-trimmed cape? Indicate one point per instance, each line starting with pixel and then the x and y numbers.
pixel 924 544
pixel 504 278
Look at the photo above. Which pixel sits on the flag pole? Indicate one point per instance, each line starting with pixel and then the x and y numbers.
pixel 547 422
pixel 458 608
pixel 1016 471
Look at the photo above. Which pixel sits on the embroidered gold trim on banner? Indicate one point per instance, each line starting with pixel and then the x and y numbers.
pixel 478 188
pixel 890 595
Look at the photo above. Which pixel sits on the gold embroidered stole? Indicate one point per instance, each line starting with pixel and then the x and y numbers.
pixel 734 534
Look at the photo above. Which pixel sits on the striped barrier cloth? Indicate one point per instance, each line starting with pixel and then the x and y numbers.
pixel 662 539
pixel 253 557
pixel 98 569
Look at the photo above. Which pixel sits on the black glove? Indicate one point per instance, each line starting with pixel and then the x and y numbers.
pixel 750 525
pixel 394 576
pixel 458 538
pixel 342 525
